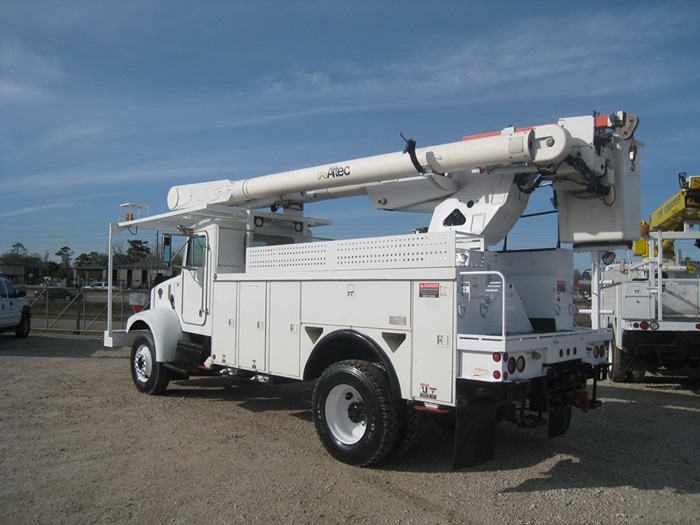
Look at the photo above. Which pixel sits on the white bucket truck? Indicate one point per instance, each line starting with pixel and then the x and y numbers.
pixel 392 327
pixel 653 304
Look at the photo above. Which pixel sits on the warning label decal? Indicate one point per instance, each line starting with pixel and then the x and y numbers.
pixel 428 289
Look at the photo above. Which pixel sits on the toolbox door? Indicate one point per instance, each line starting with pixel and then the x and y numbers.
pixel 252 334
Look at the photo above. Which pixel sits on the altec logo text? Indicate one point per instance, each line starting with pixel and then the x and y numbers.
pixel 335 171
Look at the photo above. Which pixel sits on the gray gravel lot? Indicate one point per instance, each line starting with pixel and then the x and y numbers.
pixel 78 444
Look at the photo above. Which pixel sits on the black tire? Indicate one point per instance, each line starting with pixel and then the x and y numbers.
pixel 620 374
pixel 355 413
pixel 617 373
pixel 410 424
pixel 22 329
pixel 149 376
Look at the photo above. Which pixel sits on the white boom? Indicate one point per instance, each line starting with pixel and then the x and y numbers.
pixel 448 181
pixel 542 145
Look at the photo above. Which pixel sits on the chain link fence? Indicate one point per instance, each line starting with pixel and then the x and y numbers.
pixel 81 310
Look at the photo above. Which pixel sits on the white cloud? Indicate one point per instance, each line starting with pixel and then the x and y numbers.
pixel 34 209
pixel 535 58
pixel 73 132
pixel 24 73
pixel 95 176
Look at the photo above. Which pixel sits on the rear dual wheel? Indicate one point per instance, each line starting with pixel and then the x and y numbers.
pixel 355 413
pixel 618 374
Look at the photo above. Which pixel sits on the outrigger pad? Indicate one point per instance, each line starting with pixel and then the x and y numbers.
pixel 475 433
pixel 559 420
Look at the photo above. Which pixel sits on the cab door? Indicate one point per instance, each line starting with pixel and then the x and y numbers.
pixel 195 281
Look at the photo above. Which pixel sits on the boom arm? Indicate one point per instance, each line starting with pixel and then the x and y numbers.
pixel 543 145
pixel 447 179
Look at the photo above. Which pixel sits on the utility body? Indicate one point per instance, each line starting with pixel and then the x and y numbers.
pixel 394 327
pixel 653 304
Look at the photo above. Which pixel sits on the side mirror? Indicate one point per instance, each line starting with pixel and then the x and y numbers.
pixel 167 248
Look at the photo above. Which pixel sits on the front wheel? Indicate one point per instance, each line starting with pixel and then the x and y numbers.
pixel 149 376
pixel 22 329
pixel 355 414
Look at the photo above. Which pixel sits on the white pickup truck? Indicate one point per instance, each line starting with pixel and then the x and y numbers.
pixel 15 312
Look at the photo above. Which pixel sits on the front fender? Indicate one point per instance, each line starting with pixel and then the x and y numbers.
pixel 164 324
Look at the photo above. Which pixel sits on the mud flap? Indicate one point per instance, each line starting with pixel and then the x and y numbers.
pixel 559 420
pixel 475 433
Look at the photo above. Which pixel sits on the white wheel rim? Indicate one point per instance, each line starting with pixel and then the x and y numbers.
pixel 143 364
pixel 346 414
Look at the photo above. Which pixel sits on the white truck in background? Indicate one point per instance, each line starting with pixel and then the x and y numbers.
pixel 653 305
pixel 394 327
pixel 15 311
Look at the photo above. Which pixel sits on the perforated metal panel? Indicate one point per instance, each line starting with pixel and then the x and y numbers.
pixel 404 251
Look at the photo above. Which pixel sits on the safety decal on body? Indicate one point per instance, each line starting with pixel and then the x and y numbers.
pixel 429 290
pixel 427 391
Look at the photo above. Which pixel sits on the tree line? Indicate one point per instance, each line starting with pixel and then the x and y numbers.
pixel 133 251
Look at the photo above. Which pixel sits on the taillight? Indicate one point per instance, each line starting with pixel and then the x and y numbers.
pixel 521 363
pixel 496 374
pixel 511 365
pixel 497 357
pixel 644 325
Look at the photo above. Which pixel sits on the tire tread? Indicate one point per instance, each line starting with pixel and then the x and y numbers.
pixel 379 383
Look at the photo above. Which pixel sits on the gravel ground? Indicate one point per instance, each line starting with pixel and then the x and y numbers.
pixel 78 444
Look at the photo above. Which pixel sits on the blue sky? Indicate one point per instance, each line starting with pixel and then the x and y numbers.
pixel 109 102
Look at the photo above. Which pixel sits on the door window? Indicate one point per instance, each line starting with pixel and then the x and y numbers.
pixel 195 252
pixel 10 289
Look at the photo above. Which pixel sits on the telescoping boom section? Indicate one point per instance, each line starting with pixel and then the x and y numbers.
pixel 439 321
